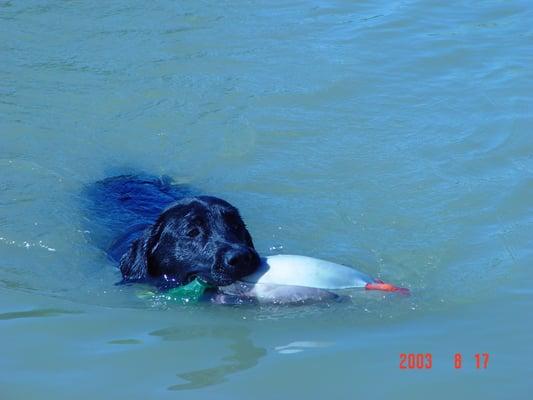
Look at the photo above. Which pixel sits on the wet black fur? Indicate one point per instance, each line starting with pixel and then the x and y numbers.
pixel 168 236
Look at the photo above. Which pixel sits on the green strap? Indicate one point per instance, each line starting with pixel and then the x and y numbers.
pixel 186 294
pixel 189 293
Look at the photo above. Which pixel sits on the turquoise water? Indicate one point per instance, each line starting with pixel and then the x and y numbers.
pixel 394 136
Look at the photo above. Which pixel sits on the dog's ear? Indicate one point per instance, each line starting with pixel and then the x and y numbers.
pixel 134 263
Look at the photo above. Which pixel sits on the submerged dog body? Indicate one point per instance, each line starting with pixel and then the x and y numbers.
pixel 167 236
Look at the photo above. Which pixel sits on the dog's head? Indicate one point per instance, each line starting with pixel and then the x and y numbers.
pixel 201 237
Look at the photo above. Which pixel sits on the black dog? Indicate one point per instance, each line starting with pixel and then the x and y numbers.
pixel 169 236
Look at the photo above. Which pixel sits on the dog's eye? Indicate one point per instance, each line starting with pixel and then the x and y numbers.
pixel 193 232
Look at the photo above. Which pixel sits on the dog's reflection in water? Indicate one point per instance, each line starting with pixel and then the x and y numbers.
pixel 244 354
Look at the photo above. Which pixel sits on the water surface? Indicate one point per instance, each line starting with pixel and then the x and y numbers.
pixel 394 136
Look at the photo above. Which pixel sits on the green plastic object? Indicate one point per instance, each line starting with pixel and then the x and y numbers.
pixel 189 293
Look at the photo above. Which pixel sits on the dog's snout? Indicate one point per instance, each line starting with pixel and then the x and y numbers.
pixel 237 258
pixel 241 261
pixel 233 263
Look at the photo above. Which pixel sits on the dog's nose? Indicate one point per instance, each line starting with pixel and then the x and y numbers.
pixel 240 261
pixel 236 258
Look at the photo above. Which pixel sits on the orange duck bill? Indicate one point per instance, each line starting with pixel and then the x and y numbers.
pixel 378 284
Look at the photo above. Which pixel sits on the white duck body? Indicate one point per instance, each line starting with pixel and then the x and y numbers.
pixel 308 272
pixel 264 293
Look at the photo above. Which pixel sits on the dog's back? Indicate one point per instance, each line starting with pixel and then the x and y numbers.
pixel 121 207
